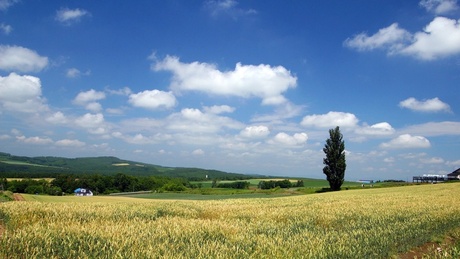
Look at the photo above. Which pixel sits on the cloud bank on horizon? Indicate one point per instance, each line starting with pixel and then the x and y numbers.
pixel 239 87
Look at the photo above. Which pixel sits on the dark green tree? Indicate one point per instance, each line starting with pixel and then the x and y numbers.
pixel 334 161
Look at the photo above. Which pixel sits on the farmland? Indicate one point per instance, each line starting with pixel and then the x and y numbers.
pixel 366 223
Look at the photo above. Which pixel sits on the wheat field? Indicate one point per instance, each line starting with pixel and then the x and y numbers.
pixel 370 223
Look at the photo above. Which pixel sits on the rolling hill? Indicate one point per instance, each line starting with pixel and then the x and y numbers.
pixel 48 166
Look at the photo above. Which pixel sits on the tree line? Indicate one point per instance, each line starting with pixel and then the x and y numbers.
pixel 98 184
pixel 264 185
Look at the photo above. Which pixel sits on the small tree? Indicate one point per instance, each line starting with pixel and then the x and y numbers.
pixel 334 162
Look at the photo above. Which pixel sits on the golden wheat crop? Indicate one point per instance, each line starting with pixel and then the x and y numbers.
pixel 371 223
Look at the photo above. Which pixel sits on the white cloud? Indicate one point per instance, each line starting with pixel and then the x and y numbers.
pixel 88 100
pixel 153 99
pixel 123 91
pixel 444 128
pixel 219 109
pixel 74 73
pixel 195 121
pixel 114 111
pixel 4 137
pixel 69 143
pixel 94 123
pixel 331 119
pixel 432 160
pixel 390 36
pixel 93 106
pixel 407 141
pixel 16 58
pixel 288 140
pixel 262 81
pixel 141 139
pixel 21 93
pixel 379 129
pixel 453 163
pixel 283 111
pixel 7 29
pixel 34 140
pixel 441 38
pixel 260 131
pixel 227 7
pixel 57 118
pixel 389 160
pixel 439 6
pixel 89 96
pixel 198 152
pixel 5 4
pixel 142 124
pixel 69 16
pixel 430 105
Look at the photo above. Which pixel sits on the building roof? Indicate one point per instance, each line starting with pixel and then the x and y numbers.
pixel 455 173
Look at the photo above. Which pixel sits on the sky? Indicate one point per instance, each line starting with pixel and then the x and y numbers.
pixel 248 87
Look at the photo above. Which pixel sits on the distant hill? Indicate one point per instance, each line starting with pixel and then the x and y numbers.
pixel 48 166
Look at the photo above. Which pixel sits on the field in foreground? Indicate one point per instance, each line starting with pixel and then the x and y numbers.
pixel 368 223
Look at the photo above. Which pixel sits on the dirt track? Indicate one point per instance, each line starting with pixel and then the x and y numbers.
pixel 18 197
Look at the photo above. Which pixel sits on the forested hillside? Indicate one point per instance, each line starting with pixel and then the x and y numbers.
pixel 47 166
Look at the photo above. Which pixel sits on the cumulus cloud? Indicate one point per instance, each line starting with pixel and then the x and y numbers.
pixel 94 123
pixel 57 118
pixel 74 73
pixel 439 6
pixel 153 99
pixel 69 16
pixel 141 139
pixel 432 160
pixel 122 91
pixel 142 124
pixel 259 131
pixel 288 140
pixel 89 96
pixel 195 121
pixel 440 38
pixel 331 119
pixel 379 129
pixel 444 128
pixel 69 143
pixel 198 152
pixel 391 37
pixel 262 81
pixel 430 105
pixel 284 111
pixel 88 100
pixel 35 140
pixel 90 120
pixel 16 58
pixel 5 28
pixel 453 163
pixel 407 141
pixel 21 94
pixel 218 109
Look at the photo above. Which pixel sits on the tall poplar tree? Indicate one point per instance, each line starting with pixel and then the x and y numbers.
pixel 334 161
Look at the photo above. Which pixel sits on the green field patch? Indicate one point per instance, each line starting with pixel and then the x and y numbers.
pixel 35 179
pixel 308 182
pixel 24 163
pixel 189 196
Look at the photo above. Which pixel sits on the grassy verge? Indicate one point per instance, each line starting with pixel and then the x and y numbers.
pixel 6 196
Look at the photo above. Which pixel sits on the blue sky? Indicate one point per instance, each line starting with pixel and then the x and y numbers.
pixel 239 86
